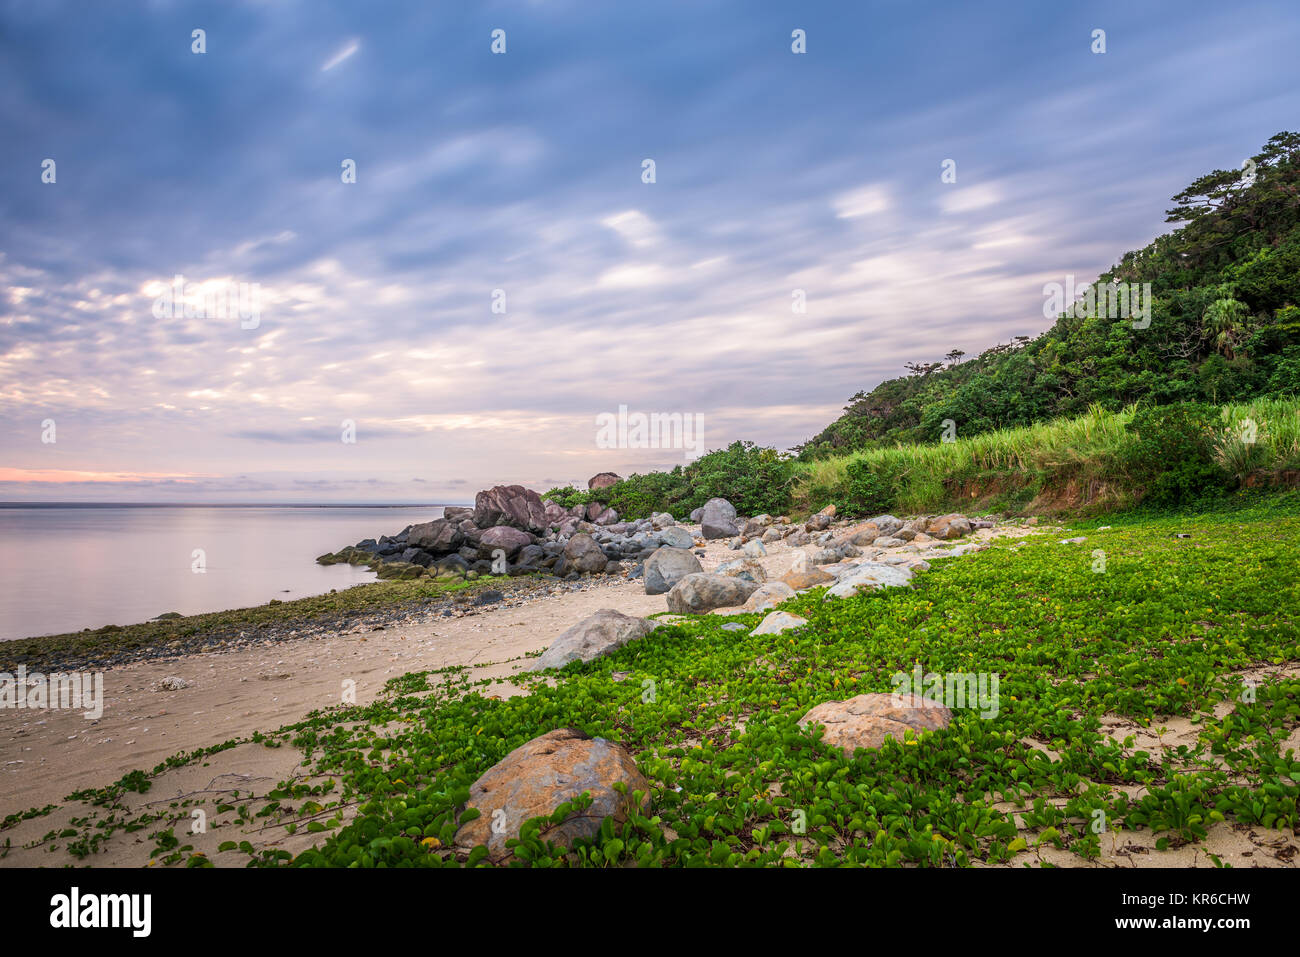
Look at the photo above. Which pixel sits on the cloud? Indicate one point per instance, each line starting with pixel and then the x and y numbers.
pixel 346 51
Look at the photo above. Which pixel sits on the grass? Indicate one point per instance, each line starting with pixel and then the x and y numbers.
pixel 1079 458
pixel 1167 628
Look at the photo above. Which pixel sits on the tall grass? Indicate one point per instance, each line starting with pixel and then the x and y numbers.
pixel 1274 426
pixel 1088 449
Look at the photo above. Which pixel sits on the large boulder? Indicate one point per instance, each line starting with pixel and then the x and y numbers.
pixel 603 480
pixel 697 514
pixel 950 526
pixel 718 519
pixel 537 777
pixel 666 567
pixel 582 554
pixel 457 513
pixel 867 720
pixel 870 576
pixel 701 592
pixel 768 596
pixel 511 505
pixel 749 569
pixel 599 634
pixel 510 540
pixel 888 524
pixel 439 536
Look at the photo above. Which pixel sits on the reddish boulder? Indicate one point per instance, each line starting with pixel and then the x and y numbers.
pixel 536 778
pixel 511 505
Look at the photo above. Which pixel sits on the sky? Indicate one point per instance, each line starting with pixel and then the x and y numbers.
pixel 500 278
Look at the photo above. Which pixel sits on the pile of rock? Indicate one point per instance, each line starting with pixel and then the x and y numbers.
pixel 511 530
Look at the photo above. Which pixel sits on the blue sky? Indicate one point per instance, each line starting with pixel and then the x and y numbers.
pixel 522 172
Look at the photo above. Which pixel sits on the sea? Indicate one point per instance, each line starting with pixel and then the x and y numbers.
pixel 68 567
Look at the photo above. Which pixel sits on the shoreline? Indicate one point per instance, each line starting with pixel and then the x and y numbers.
pixel 370 604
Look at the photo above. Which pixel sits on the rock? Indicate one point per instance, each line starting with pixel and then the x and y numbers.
pixel 870 576
pixel 489 597
pixel 778 622
pixel 798 538
pixel 888 541
pixel 699 593
pixel 537 777
pixel 697 514
pixel 733 626
pixel 457 514
pixel 599 634
pixel 439 535
pixel 662 520
pixel 865 535
pixel 168 616
pixel 555 514
pixel 828 510
pixel 825 556
pixel 905 533
pixel 818 523
pixel 746 568
pixel 768 596
pixel 511 505
pixel 582 554
pixel 666 567
pixel 811 578
pixel 773 534
pixel 867 720
pixel 718 519
pixel 676 537
pixel 173 683
pixel 950 526
pixel 606 517
pixel 1082 538
pixel 753 550
pixel 510 540
pixel 603 480
pixel 888 524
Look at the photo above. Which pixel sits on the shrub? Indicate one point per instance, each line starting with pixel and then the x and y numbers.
pixel 1172 457
pixel 567 497
pixel 866 492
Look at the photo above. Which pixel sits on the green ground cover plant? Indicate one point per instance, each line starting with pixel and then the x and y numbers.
pixel 1188 612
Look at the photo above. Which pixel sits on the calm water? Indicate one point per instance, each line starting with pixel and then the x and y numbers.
pixel 64 568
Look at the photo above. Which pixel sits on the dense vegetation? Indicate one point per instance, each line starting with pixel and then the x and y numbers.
pixel 1185 615
pixel 1224 327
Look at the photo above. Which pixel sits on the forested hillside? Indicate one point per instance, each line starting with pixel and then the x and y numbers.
pixel 1224 327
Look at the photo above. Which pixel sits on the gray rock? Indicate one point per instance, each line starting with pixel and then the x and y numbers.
pixel 718 519
pixel 870 576
pixel 666 567
pixel 699 593
pixel 582 554
pixel 754 549
pixel 676 536
pixel 746 568
pixel 596 635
